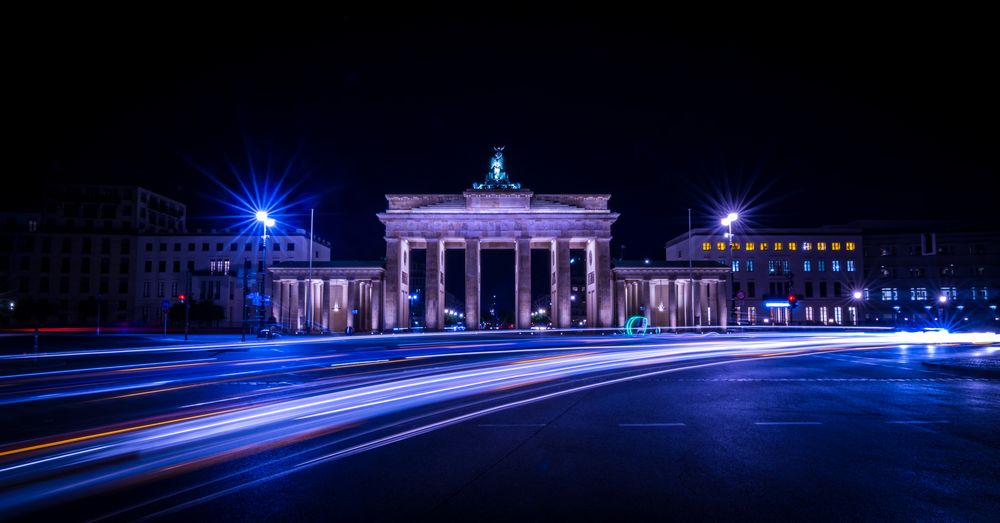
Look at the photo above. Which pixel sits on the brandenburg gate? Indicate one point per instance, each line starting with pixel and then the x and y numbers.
pixel 498 214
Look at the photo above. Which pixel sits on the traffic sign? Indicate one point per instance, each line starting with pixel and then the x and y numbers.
pixel 165 304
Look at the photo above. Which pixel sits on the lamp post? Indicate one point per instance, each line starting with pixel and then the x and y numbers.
pixel 265 222
pixel 728 222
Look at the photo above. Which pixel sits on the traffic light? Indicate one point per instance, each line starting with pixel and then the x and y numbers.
pixel 182 298
pixel 793 301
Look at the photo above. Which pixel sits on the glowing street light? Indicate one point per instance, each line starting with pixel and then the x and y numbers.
pixel 857 295
pixel 265 221
pixel 943 299
pixel 728 222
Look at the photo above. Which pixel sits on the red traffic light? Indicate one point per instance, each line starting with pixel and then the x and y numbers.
pixel 791 298
pixel 181 297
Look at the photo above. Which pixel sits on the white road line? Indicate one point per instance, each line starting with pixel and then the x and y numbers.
pixel 916 422
pixel 511 425
pixel 652 425
pixel 788 423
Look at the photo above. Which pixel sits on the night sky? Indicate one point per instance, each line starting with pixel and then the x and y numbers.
pixel 816 122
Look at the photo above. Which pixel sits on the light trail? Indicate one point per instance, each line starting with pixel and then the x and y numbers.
pixel 79 464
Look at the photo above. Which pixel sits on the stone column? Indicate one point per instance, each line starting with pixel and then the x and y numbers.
pixel 724 297
pixel 434 285
pixel 672 302
pixel 602 259
pixel 393 285
pixel 695 294
pixel 472 283
pixel 620 302
pixel 704 302
pixel 559 256
pixel 646 300
pixel 293 305
pixel 327 290
pixel 276 299
pixel 352 302
pixel 523 282
pixel 376 305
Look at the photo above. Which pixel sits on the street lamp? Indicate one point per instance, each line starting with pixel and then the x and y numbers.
pixel 728 222
pixel 265 222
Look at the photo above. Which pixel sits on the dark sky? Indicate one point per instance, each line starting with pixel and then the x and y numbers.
pixel 819 122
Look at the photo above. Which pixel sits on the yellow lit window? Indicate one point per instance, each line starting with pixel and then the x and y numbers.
pixel 735 246
pixel 835 246
pixel 820 246
pixel 851 246
pixel 777 246
pixel 792 246
pixel 763 246
pixel 706 246
pixel 750 245
pixel 807 246
pixel 720 246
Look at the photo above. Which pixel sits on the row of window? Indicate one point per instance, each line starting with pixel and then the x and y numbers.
pixel 26 244
pixel 44 286
pixel 65 265
pixel 921 294
pixel 779 246
pixel 218 246
pixel 208 290
pixel 779 288
pixel 919 272
pixel 779 267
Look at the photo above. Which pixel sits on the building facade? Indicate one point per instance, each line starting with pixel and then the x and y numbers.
pixel 210 267
pixel 921 274
pixel 823 267
pixel 75 259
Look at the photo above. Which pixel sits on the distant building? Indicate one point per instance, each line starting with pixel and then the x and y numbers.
pixel 125 250
pixel 822 266
pixel 921 274
pixel 215 263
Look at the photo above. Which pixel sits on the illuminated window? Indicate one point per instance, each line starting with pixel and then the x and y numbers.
pixel 835 246
pixel 735 246
pixel 809 314
pixel 851 246
pixel 835 265
pixel 837 315
pixel 720 246
pixel 792 246
pixel 777 246
pixel 850 266
pixel 706 246
pixel 821 266
pixel 950 292
pixel 763 246
pixel 736 266
pixel 750 246
pixel 750 266
pixel 820 246
pixel 822 315
pixel 853 314
pixel 806 265
pixel 865 294
pixel 890 294
pixel 918 293
pixel 806 246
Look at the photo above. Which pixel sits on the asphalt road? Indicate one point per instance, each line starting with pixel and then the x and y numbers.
pixel 757 427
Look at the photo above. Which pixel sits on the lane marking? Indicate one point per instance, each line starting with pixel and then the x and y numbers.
pixel 652 425
pixel 511 425
pixel 788 423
